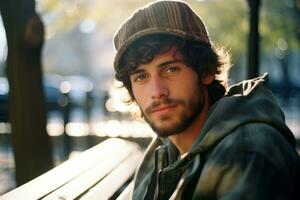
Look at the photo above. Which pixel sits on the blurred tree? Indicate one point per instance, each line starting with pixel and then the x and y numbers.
pixel 226 20
pixel 30 141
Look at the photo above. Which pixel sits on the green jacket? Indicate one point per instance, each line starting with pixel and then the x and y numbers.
pixel 244 151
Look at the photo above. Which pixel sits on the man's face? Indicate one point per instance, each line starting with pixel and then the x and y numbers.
pixel 168 93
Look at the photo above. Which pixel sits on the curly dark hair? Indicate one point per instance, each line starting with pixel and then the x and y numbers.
pixel 201 57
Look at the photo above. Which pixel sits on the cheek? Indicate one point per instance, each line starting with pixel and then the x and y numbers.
pixel 193 92
pixel 189 81
pixel 188 88
pixel 140 97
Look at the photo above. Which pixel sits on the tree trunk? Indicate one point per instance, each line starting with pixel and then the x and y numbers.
pixel 30 141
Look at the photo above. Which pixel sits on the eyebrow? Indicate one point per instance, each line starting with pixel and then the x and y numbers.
pixel 169 62
pixel 137 70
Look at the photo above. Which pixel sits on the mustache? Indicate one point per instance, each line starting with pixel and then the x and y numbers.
pixel 166 102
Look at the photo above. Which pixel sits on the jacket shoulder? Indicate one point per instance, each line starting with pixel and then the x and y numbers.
pixel 261 139
pixel 253 154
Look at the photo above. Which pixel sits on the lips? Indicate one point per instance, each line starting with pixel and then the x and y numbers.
pixel 163 108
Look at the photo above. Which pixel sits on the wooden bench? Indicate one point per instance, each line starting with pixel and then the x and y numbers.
pixel 97 173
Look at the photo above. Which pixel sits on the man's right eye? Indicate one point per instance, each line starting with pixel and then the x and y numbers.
pixel 140 77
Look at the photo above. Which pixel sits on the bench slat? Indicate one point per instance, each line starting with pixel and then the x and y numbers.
pixel 69 170
pixel 110 184
pixel 126 193
pixel 86 180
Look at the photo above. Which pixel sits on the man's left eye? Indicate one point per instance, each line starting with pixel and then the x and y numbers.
pixel 172 70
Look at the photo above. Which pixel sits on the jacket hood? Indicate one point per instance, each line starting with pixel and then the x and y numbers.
pixel 247 102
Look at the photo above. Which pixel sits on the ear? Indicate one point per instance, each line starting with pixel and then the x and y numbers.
pixel 208 79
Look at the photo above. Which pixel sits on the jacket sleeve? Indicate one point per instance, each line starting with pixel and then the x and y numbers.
pixel 253 163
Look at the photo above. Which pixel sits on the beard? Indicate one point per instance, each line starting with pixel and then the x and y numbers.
pixel 168 125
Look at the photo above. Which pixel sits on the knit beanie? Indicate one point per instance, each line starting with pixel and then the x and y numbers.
pixel 160 17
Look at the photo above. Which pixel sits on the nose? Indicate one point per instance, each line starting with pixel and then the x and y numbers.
pixel 159 88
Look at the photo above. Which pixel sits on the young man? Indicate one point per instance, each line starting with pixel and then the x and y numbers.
pixel 212 142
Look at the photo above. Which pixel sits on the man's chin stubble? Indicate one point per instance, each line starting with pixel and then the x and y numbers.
pixel 172 128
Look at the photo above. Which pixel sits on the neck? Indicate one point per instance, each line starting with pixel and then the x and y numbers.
pixel 185 140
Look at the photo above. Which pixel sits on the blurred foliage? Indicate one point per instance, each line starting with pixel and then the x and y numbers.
pixel 278 22
pixel 227 20
pixel 297 16
pixel 62 16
